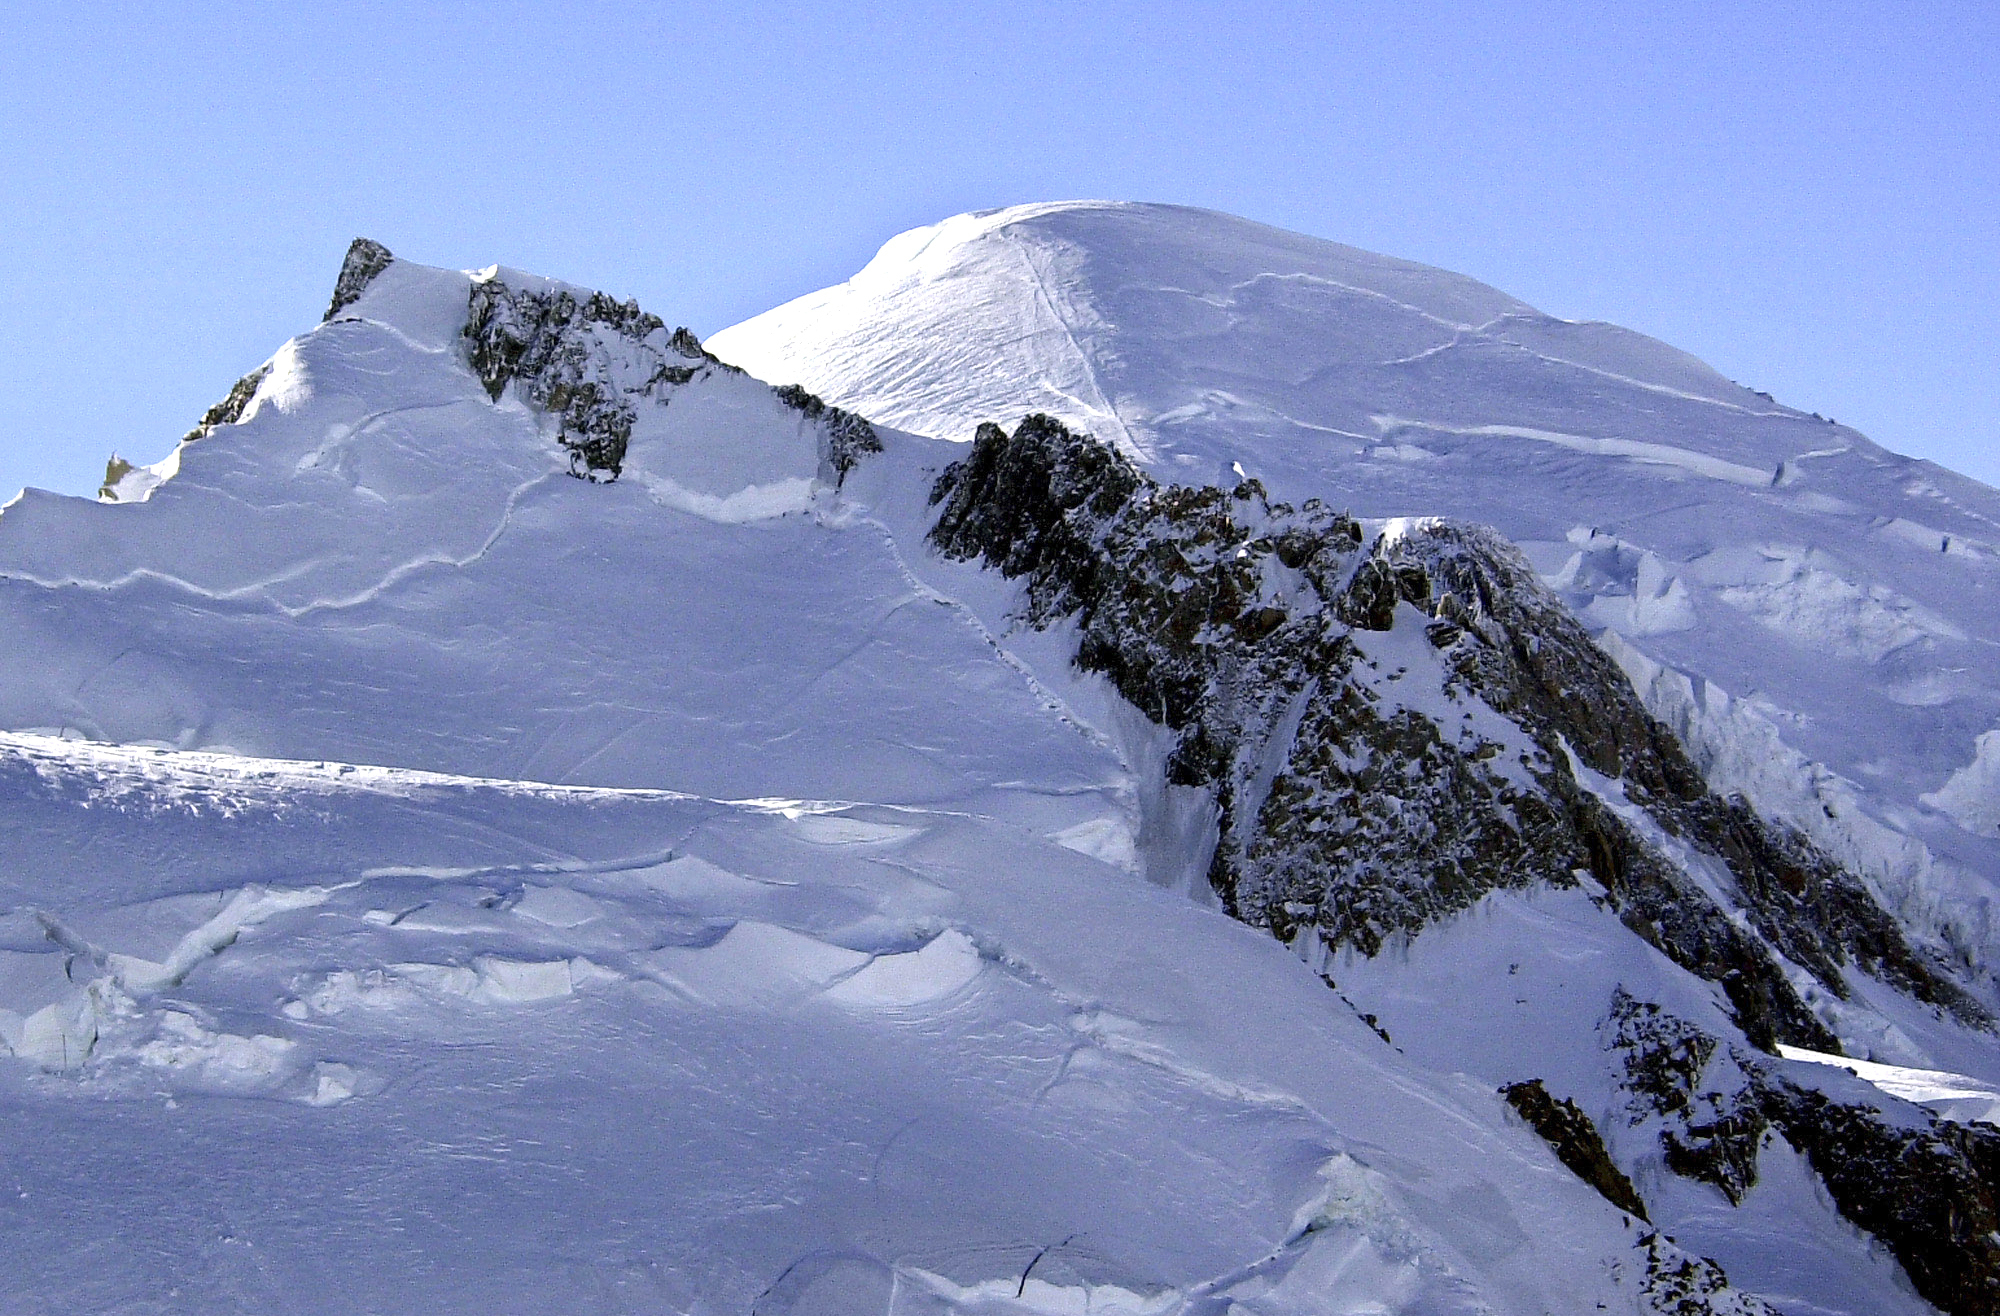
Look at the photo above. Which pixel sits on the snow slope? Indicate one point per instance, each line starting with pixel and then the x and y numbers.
pixel 379 564
pixel 428 879
pixel 1817 617
pixel 405 949
pixel 374 1039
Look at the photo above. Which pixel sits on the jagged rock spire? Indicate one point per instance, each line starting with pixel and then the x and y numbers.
pixel 366 258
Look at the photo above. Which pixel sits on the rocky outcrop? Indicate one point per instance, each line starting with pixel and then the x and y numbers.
pixel 116 469
pixel 230 409
pixel 1576 1142
pixel 365 259
pixel 557 347
pixel 1532 661
pixel 1927 1188
pixel 1677 1284
pixel 848 439
pixel 590 362
pixel 1702 1103
pixel 1395 725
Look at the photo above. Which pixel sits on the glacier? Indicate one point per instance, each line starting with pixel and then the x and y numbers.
pixel 1818 618
pixel 433 878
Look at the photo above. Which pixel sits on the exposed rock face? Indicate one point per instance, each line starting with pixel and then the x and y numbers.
pixel 365 260
pixel 1929 1189
pixel 1525 654
pixel 1393 728
pixel 1709 1121
pixel 591 361
pixel 1676 1284
pixel 226 412
pixel 1577 1144
pixel 849 437
pixel 553 344
pixel 116 469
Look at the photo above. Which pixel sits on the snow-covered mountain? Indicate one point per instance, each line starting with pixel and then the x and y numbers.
pixel 514 812
pixel 1819 619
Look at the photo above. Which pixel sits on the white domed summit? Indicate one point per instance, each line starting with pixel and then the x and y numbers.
pixel 1846 597
pixel 1137 321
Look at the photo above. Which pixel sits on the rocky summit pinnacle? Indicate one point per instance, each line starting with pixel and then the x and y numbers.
pixel 365 260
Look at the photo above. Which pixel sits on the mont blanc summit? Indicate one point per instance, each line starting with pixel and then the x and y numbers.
pixel 1815 617
pixel 1121 760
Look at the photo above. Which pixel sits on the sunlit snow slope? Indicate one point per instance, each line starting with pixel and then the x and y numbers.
pixel 1818 618
pixel 431 881
pixel 300 1037
pixel 382 564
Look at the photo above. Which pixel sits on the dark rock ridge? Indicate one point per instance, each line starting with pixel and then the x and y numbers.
pixel 590 360
pixel 226 412
pixel 584 358
pixel 1392 728
pixel 1577 1144
pixel 1692 1092
pixel 115 470
pixel 1676 1284
pixel 849 437
pixel 554 344
pixel 1530 659
pixel 1927 1188
pixel 365 259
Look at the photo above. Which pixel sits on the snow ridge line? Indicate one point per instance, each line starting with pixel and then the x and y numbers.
pixel 54 755
pixel 1323 281
pixel 254 589
pixel 1106 406
pixel 1662 454
pixel 1481 333
pixel 1051 700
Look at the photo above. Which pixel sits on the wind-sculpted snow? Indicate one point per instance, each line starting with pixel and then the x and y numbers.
pixel 431 880
pixel 379 563
pixel 392 1043
pixel 1849 596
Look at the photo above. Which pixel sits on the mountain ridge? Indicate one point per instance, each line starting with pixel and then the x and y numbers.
pixel 1768 577
pixel 749 797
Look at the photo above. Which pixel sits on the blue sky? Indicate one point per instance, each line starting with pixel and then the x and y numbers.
pixel 1806 195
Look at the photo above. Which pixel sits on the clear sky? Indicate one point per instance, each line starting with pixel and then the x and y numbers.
pixel 1805 195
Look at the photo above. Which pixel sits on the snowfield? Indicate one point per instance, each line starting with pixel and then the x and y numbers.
pixel 302 1038
pixel 1818 618
pixel 429 880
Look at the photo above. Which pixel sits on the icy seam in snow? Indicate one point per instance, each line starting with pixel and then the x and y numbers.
pixel 1954 1097
pixel 258 587
pixel 246 909
pixel 1065 322
pixel 757 502
pixel 1658 454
